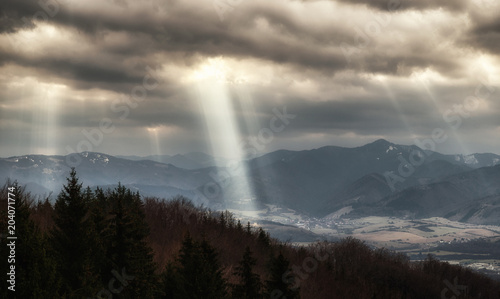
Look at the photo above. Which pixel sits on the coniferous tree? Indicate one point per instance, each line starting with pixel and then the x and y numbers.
pixel 44 214
pixel 35 271
pixel 250 285
pixel 127 252
pixel 277 286
pixel 198 273
pixel 188 269
pixel 102 238
pixel 71 240
pixel 263 237
pixel 99 215
pixel 214 282
pixel 239 227
pixel 249 228
pixel 222 220
pixel 172 283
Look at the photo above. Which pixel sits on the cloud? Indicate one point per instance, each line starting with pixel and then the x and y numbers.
pixel 393 5
pixel 485 32
pixel 352 70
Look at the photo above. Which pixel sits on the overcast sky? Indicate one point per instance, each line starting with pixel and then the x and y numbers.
pixel 126 77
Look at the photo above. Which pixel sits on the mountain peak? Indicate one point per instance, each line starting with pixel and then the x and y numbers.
pixel 380 142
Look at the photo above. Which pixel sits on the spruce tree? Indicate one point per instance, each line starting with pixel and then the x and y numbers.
pixel 35 270
pixel 239 227
pixel 250 285
pixel 197 275
pixel 98 220
pixel 71 241
pixel 263 237
pixel 249 228
pixel 277 286
pixel 172 283
pixel 189 260
pixel 213 282
pixel 127 251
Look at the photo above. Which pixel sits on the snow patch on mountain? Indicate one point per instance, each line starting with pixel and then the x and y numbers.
pixel 470 160
pixel 54 159
pixel 47 171
pixel 391 148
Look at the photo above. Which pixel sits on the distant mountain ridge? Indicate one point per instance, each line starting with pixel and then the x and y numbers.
pixel 316 182
pixel 97 169
pixel 472 195
pixel 192 160
pixel 313 180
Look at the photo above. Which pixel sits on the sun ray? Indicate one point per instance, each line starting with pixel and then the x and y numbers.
pixel 221 125
pixel 44 100
pixel 394 102
pixel 154 140
pixel 425 78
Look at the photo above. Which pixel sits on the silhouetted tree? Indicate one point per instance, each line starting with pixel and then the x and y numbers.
pixel 263 237
pixel 99 216
pixel 249 228
pixel 71 240
pixel 239 227
pixel 277 286
pixel 250 285
pixel 35 270
pixel 126 247
pixel 198 274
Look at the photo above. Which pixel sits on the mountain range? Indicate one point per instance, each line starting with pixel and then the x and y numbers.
pixel 379 178
pixel 193 160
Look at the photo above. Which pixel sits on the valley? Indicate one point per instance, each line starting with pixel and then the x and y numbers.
pixel 452 241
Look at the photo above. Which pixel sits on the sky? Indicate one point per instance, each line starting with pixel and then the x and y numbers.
pixel 168 76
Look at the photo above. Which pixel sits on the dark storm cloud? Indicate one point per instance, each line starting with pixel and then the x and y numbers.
pixel 21 14
pixel 295 53
pixel 366 115
pixel 485 34
pixel 195 29
pixel 15 15
pixel 85 71
pixel 391 5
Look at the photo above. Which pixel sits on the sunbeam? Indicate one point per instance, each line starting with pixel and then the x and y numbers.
pixel 154 140
pixel 426 78
pixel 222 127
pixel 249 113
pixel 44 135
pixel 394 101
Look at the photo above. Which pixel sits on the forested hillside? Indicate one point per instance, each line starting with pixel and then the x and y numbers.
pixel 116 244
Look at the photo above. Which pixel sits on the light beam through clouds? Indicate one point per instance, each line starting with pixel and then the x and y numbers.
pixel 221 125
pixel 154 141
pixel 290 52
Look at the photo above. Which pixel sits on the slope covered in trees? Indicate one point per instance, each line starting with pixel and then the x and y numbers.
pixel 115 244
